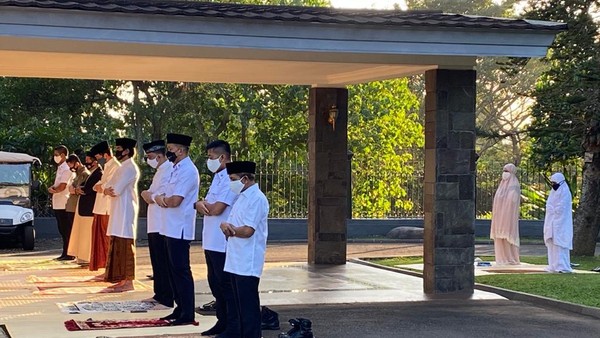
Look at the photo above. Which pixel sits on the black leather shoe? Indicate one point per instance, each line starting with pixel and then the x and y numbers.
pixel 178 322
pixel 217 329
pixel 210 306
pixel 172 316
pixel 65 258
pixel 269 319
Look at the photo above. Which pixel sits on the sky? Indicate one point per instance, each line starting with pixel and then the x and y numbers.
pixel 378 4
pixel 375 4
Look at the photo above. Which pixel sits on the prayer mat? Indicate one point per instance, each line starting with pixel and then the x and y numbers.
pixel 496 270
pixel 166 335
pixel 63 290
pixel 25 265
pixel 115 306
pixel 4 331
pixel 61 279
pixel 90 324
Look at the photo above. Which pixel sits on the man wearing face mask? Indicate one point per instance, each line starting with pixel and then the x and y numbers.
pixel 81 174
pixel 100 240
pixel 122 224
pixel 505 218
pixel 246 231
pixel 157 159
pixel 179 226
pixel 216 208
pixel 60 195
pixel 558 225
pixel 81 236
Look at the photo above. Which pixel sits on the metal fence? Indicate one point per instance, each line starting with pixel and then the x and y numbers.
pixel 285 182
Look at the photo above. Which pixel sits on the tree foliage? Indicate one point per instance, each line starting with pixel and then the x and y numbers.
pixel 262 122
pixel 384 125
pixel 566 116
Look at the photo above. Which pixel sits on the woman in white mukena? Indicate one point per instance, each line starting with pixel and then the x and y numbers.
pixel 558 225
pixel 505 217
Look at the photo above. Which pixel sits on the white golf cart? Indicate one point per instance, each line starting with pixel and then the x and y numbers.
pixel 16 185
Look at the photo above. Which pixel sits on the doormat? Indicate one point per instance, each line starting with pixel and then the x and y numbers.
pixel 84 289
pixel 115 306
pixel 90 324
pixel 4 331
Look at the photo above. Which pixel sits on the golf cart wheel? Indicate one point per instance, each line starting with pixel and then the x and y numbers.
pixel 28 237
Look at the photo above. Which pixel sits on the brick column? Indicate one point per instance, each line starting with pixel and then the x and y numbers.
pixel 449 242
pixel 328 176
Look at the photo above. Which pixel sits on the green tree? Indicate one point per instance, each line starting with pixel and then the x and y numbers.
pixel 383 125
pixel 566 125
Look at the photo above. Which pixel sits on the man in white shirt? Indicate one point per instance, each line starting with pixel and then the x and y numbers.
pixel 180 225
pixel 122 224
pixel 60 195
pixel 100 239
pixel 216 208
pixel 246 231
pixel 156 158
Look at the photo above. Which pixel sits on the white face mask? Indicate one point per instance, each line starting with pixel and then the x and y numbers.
pixel 213 165
pixel 505 175
pixel 236 186
pixel 57 159
pixel 152 162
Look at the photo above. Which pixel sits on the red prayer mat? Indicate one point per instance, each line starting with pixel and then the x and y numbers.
pixel 90 324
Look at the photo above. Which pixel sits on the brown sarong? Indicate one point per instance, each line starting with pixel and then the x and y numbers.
pixel 121 260
pixel 99 248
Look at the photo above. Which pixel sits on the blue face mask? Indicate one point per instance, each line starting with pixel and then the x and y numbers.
pixel 555 186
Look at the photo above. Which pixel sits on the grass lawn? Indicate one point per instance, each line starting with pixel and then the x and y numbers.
pixel 575 288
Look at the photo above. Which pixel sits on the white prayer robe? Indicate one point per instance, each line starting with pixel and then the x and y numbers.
pixel 102 204
pixel 124 206
pixel 558 226
pixel 505 218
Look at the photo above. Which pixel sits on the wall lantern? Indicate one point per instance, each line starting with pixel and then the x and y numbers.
pixel 332 115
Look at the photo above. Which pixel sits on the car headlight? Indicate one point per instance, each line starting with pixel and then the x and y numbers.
pixel 28 216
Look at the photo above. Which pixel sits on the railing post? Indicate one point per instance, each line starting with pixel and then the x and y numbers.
pixel 350 155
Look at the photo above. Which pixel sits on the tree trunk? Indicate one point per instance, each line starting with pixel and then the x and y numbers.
pixel 586 225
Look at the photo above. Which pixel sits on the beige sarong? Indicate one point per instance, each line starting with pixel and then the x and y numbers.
pixel 80 242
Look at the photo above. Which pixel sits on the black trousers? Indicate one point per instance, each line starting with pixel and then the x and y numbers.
pixel 163 292
pixel 248 304
pixel 180 276
pixel 221 288
pixel 65 224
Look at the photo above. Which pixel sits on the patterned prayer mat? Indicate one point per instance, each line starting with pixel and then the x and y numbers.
pixel 4 331
pixel 114 306
pixel 90 324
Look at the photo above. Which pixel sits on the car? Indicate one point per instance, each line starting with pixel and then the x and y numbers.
pixel 16 186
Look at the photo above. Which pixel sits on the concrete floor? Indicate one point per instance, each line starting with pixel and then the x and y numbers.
pixel 352 300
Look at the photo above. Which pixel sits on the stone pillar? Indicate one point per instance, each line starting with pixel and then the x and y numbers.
pixel 449 205
pixel 328 175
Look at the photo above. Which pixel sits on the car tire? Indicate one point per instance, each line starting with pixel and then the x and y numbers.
pixel 28 237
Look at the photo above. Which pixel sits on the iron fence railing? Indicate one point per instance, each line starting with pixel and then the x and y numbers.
pixel 284 179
